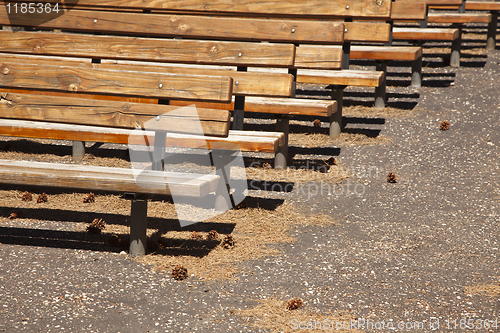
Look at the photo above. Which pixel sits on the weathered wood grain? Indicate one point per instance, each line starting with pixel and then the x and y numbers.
pixel 482 5
pixel 112 113
pixel 147 49
pixel 414 10
pixel 402 53
pixel 95 80
pixel 289 106
pixel 360 8
pixel 425 34
pixel 459 18
pixel 320 57
pixel 266 142
pixel 105 178
pixel 195 26
pixel 367 32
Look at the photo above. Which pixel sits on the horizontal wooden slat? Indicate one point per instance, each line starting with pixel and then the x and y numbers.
pixel 313 56
pixel 402 53
pixel 111 113
pixel 295 31
pixel 94 80
pixel 425 34
pixel 287 106
pixel 458 18
pixel 437 2
pixel 414 10
pixel 105 178
pixel 345 77
pixel 244 83
pixel 267 142
pixel 147 49
pixel 367 32
pixel 360 8
pixel 482 5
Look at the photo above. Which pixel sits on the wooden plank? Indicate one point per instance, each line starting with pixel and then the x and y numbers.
pixel 367 32
pixel 244 83
pixel 344 77
pixel 286 106
pixel 267 142
pixel 111 113
pixel 425 34
pixel 248 84
pixel 437 2
pixel 105 178
pixel 314 56
pixel 94 80
pixel 414 10
pixel 482 5
pixel 194 26
pixel 147 49
pixel 402 53
pixel 360 8
pixel 458 18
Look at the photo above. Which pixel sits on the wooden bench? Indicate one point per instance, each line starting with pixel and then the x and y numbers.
pixel 70 112
pixel 424 33
pixel 493 7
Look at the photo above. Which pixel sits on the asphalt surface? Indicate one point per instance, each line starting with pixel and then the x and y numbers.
pixel 401 252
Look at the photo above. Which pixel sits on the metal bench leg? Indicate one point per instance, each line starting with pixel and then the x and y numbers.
pixel 455 49
pixel 138 226
pixel 492 31
pixel 416 73
pixel 380 91
pixel 78 151
pixel 223 197
pixel 336 118
pixel 281 158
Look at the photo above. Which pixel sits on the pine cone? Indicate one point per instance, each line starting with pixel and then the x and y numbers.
pixel 96 226
pixel 196 235
pixel 27 196
pixel 41 198
pixel 213 235
pixel 228 242
pixel 445 125
pixel 179 273
pixel 13 216
pixel 89 198
pixel 294 304
pixel 317 123
pixel 391 177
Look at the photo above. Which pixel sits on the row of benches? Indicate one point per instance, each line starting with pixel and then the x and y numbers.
pixel 99 71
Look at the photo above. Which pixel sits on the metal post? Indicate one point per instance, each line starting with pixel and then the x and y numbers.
pixel 416 73
pixel 78 151
pixel 138 226
pixel 455 48
pixel 336 118
pixel 380 91
pixel 239 107
pixel 423 23
pixel 492 31
pixel 159 150
pixel 281 158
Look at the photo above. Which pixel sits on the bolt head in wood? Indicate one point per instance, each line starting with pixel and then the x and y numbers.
pixel 160 86
pixel 239 54
pixel 346 7
pixel 293 30
pixel 236 83
pixel 157 118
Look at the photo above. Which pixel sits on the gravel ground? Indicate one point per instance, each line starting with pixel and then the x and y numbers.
pixel 421 251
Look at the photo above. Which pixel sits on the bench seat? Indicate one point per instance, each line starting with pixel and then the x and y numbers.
pixel 97 178
pixel 434 34
pixel 458 18
pixel 267 142
pixel 375 52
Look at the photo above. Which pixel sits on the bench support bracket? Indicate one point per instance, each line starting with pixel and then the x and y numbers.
pixel 455 48
pixel 138 226
pixel 78 151
pixel 492 31
pixel 416 73
pixel 336 118
pixel 281 158
pixel 380 91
